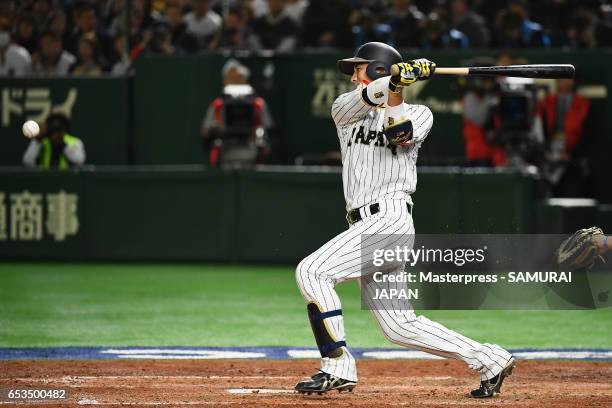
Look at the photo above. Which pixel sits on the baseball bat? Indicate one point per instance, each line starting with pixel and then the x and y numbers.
pixel 520 71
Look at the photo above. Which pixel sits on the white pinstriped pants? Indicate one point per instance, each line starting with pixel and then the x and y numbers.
pixel 340 260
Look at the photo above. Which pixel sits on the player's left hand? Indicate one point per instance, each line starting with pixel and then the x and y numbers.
pixel 425 68
pixel 407 73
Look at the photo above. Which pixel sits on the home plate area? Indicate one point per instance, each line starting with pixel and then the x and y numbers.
pixel 274 353
pixel 208 377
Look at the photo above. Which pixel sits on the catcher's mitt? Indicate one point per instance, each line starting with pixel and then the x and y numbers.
pixel 579 250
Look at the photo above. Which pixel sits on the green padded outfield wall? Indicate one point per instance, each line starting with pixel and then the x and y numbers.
pixel 171 96
pixel 188 213
pixel 117 214
pixel 99 108
pixel 285 216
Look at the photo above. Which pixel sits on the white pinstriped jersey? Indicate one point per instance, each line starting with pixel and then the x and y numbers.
pixel 372 172
pixel 371 168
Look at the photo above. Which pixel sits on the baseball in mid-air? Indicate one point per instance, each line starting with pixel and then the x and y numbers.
pixel 30 129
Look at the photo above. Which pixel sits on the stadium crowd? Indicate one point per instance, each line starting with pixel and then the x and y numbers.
pixel 56 37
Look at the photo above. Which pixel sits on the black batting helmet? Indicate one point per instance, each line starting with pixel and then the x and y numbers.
pixel 376 55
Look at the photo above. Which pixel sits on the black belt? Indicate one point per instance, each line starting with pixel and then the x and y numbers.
pixel 354 216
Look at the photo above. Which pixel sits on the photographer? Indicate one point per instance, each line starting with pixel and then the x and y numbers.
pixel 481 97
pixel 236 125
pixel 479 103
pixel 517 124
pixel 55 147
pixel 563 116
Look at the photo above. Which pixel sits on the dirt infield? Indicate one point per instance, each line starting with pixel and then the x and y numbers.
pixel 266 383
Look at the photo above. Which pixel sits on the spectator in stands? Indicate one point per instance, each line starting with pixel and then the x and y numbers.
pixel 26 34
pixel 138 36
pixel 275 30
pixel 487 9
pixel 470 24
pixel 41 11
pixel 88 56
pixel 295 9
pixel 114 16
pixel 555 17
pixel 121 59
pixel 582 30
pixel 235 35
pixel 515 30
pixel 86 22
pixel 563 116
pixel 203 23
pixel 55 147
pixel 406 22
pixel 52 59
pixel 258 8
pixel 183 41
pixel 14 59
pixel 160 41
pixel 325 24
pixel 136 29
pixel 604 26
pixel 57 23
pixel 236 125
pixel 367 27
pixel 436 34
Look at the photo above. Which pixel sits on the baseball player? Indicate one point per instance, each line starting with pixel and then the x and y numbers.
pixel 380 137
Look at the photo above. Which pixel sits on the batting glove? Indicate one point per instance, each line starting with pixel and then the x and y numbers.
pixel 402 74
pixel 425 68
pixel 407 73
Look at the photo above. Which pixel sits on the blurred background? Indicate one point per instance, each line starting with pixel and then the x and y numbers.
pixel 208 121
pixel 200 130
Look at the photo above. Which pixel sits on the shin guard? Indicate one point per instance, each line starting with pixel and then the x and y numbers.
pixel 328 346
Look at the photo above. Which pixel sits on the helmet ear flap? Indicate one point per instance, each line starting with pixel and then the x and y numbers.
pixel 374 69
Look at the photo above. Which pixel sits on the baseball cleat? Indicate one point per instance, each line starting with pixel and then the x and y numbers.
pixel 491 387
pixel 323 382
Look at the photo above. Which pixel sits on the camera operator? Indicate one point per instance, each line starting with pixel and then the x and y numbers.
pixel 517 124
pixel 55 147
pixel 480 104
pixel 236 125
pixel 563 116
pixel 500 123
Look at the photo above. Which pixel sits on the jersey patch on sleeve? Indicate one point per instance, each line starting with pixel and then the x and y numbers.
pixel 366 98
